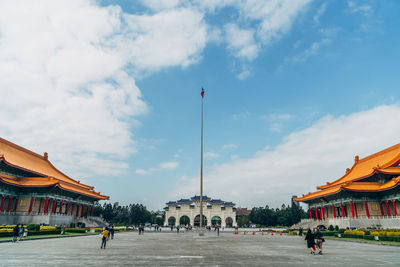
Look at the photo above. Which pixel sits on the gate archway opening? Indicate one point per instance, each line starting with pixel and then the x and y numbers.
pixel 184 220
pixel 229 222
pixel 171 221
pixel 197 220
pixel 216 220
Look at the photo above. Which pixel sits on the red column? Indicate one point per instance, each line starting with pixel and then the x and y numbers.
pixel 87 211
pixel 309 209
pixel 77 210
pixel 341 205
pixel 381 208
pixel 366 208
pixel 394 207
pixel 2 202
pixel 91 213
pixel 82 210
pixel 316 213
pixel 352 209
pixel 46 205
pixel 40 205
pixel 9 203
pixel 66 208
pixel 333 211
pixel 323 213
pixel 387 208
pixel 53 209
pixel 30 205
pixel 16 204
pixel 61 203
pixel 355 209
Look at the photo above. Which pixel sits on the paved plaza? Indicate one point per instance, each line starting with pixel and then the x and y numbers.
pixel 188 249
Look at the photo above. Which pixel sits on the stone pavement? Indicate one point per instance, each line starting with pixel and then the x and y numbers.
pixel 188 249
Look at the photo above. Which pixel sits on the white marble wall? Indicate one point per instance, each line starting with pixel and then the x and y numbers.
pixel 185 210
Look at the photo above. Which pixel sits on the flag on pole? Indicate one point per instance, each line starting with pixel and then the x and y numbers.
pixel 202 92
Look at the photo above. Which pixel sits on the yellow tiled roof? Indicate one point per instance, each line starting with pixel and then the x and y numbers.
pixel 378 162
pixel 25 159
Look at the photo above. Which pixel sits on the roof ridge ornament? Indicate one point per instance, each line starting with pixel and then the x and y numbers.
pixel 347 170
pixel 356 159
pixel 46 156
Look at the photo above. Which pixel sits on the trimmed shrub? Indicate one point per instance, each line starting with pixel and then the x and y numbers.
pixel 336 228
pixel 331 228
pixel 72 225
pixel 341 230
pixel 33 227
pixel 74 230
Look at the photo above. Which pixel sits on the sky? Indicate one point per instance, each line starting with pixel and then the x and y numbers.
pixel 111 90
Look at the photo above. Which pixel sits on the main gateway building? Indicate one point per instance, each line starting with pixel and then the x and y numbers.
pixel 32 190
pixel 367 195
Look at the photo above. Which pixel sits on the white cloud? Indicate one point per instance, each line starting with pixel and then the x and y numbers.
pixel 305 159
pixel 211 155
pixel 276 121
pixel 275 17
pixel 365 10
pixel 241 116
pixel 145 172
pixel 241 42
pixel 229 146
pixel 64 77
pixel 169 165
pixel 320 12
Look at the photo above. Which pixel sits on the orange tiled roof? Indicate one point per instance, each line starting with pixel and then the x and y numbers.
pixel 25 159
pixel 378 162
pixel 351 186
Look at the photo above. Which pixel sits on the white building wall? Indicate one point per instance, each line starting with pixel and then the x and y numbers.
pixel 185 209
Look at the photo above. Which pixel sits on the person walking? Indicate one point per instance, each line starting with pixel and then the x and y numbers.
pixel 16 233
pixel 112 231
pixel 310 241
pixel 319 240
pixel 104 237
pixel 21 231
pixel 177 229
pixel 218 230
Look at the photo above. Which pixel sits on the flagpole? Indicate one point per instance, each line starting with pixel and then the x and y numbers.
pixel 201 165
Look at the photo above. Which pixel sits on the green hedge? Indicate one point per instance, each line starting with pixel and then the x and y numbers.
pixel 371 237
pixel 329 233
pixel 75 230
pixel 49 232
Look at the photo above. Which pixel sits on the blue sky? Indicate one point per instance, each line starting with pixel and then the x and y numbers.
pixel 111 89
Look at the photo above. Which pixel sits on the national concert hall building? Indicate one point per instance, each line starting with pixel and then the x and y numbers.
pixel 32 190
pixel 367 195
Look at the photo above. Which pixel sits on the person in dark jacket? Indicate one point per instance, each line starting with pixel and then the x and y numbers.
pixel 310 241
pixel 319 239
pixel 112 232
pixel 16 233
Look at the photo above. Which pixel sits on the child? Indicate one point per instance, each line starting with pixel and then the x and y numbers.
pixel 104 234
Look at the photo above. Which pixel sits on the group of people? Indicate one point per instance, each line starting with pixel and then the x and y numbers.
pixel 105 236
pixel 18 230
pixel 314 240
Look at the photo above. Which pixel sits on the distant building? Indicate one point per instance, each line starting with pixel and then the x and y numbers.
pixel 187 211
pixel 243 211
pixel 32 190
pixel 367 195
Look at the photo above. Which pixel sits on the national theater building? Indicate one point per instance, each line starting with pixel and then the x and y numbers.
pixel 32 190
pixel 367 195
pixel 187 211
